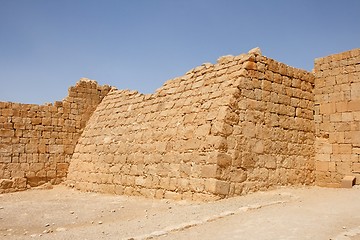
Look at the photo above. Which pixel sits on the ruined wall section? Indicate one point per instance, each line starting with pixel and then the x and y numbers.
pixel 273 142
pixel 337 117
pixel 163 145
pixel 240 125
pixel 37 141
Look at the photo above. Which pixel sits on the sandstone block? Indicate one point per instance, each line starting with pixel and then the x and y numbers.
pixel 328 108
pixel 6 183
pixel 209 171
pixel 348 182
pixel 355 137
pixel 238 175
pixel 354 105
pixel 217 187
pixel 172 195
pixel 322 166
pixel 17 174
pixel 223 159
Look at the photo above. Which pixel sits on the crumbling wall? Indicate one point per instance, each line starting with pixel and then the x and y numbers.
pixel 37 141
pixel 242 124
pixel 162 145
pixel 337 117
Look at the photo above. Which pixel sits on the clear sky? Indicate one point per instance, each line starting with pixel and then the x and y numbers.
pixel 46 46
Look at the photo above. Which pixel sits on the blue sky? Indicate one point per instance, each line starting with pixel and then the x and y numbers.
pixel 46 46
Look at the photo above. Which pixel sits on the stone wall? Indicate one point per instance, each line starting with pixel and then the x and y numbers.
pixel 337 117
pixel 242 124
pixel 37 141
pixel 273 142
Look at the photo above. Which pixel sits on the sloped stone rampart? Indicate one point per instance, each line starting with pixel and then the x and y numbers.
pixel 37 141
pixel 240 125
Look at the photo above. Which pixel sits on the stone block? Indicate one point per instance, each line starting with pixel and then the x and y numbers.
pixel 328 108
pixel 223 159
pixel 348 182
pixel 172 195
pixel 6 133
pixel 209 171
pixel 6 183
pixel 217 187
pixel 354 105
pixel 322 166
pixel 355 137
pixel 347 117
pixel 238 175
pixel 17 174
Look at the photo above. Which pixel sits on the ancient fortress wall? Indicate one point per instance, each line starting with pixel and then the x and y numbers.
pixel 240 125
pixel 244 124
pixel 37 141
pixel 337 117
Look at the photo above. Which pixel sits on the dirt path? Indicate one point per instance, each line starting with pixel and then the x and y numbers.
pixel 285 213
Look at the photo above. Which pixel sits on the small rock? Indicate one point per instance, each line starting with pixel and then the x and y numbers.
pixel 60 229
pixel 100 222
pixel 113 210
pixel 72 212
pixel 1 207
pixel 47 225
pixel 256 51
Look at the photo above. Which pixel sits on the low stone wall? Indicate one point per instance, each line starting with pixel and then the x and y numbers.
pixel 37 141
pixel 337 117
pixel 240 125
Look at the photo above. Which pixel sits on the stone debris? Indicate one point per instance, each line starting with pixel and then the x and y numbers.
pixel 256 51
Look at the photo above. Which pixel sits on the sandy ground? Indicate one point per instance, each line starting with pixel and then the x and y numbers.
pixel 285 213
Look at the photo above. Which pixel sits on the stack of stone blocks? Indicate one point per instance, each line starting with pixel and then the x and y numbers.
pixel 244 124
